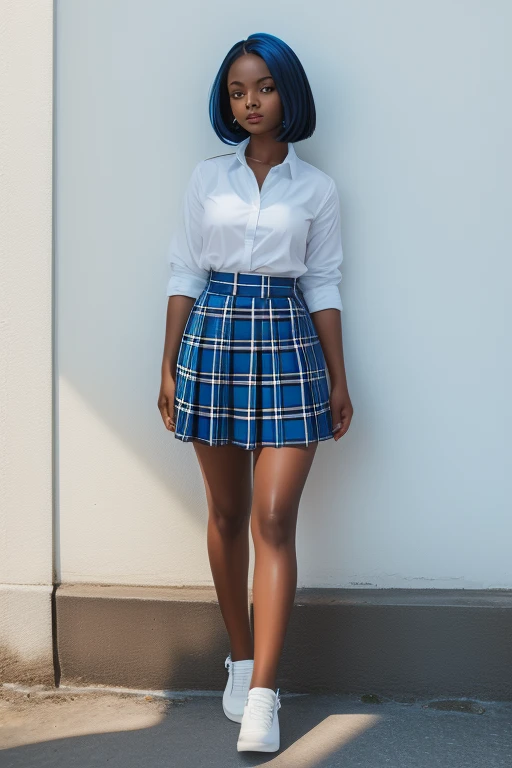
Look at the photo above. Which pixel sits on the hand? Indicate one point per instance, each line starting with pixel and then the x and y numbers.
pixel 166 401
pixel 341 410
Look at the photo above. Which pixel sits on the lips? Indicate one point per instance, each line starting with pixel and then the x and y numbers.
pixel 254 116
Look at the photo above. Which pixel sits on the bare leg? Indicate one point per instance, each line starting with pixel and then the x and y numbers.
pixel 279 478
pixel 227 475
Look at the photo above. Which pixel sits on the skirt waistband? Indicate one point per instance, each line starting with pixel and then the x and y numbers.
pixel 251 284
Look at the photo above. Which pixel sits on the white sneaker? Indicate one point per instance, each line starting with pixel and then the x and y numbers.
pixel 237 687
pixel 259 731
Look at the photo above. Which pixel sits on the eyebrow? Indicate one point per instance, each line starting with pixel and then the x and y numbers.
pixel 237 82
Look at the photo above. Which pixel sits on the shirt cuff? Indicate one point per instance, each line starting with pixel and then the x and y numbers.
pixel 325 297
pixel 183 283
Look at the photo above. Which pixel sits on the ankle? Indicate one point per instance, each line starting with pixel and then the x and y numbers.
pixel 242 653
pixel 264 684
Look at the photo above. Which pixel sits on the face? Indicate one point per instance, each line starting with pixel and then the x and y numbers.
pixel 251 89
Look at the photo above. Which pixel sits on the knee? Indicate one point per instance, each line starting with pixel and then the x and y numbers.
pixel 275 526
pixel 228 518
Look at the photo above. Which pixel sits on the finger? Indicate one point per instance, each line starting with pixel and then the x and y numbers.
pixel 338 424
pixel 162 407
pixel 345 423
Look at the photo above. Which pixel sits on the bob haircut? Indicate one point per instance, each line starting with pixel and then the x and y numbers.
pixel 291 82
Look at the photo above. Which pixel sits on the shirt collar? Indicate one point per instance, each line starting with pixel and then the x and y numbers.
pixel 290 160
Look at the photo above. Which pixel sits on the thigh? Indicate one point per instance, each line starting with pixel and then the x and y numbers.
pixel 227 475
pixel 279 478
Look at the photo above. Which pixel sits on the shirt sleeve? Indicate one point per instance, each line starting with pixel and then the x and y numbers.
pixel 187 277
pixel 324 254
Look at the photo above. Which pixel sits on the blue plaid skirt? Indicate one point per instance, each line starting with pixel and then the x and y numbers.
pixel 250 368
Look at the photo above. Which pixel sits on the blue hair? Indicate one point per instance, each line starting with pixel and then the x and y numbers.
pixel 291 82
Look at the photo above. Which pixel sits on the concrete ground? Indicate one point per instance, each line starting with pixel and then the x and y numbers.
pixel 86 727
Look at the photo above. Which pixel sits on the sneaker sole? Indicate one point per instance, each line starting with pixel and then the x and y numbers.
pixel 254 746
pixel 234 716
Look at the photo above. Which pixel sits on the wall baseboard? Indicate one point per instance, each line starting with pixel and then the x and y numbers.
pixel 390 642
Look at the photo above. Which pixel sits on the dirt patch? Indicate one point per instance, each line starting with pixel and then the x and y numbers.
pixel 47 713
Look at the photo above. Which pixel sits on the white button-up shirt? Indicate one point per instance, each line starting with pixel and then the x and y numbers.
pixel 291 227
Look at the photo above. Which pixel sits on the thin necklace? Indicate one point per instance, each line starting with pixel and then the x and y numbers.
pixel 261 161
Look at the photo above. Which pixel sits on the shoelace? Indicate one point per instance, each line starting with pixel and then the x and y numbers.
pixel 241 675
pixel 262 708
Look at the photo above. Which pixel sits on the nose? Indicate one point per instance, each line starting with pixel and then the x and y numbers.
pixel 251 101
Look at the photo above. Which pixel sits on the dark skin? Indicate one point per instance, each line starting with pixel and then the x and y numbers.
pixel 258 490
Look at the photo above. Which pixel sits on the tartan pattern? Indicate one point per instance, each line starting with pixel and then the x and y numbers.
pixel 250 368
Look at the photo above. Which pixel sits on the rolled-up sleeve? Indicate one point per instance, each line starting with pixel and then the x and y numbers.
pixel 187 277
pixel 324 254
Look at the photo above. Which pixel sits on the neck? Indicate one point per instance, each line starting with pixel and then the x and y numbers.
pixel 266 149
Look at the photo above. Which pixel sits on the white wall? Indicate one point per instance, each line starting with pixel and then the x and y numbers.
pixel 26 104
pixel 414 124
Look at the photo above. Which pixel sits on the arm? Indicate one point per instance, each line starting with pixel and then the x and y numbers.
pixel 327 323
pixel 178 310
pixel 324 255
pixel 186 283
pixel 187 279
pixel 184 253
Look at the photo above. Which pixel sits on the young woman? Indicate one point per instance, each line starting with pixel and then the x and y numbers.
pixel 253 325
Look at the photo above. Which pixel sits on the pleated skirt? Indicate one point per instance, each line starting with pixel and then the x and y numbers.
pixel 250 368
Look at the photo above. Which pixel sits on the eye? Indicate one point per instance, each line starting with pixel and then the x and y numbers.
pixel 239 94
